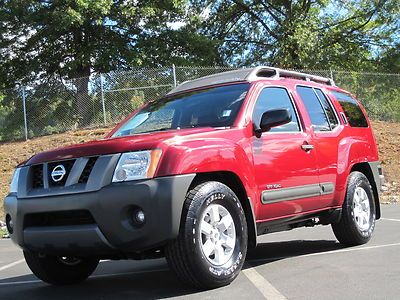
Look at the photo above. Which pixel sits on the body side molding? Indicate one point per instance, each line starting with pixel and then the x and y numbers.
pixel 297 192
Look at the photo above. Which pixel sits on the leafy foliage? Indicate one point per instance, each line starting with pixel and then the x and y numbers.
pixel 74 38
pixel 302 33
pixel 45 40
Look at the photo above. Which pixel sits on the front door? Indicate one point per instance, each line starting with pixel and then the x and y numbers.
pixel 284 161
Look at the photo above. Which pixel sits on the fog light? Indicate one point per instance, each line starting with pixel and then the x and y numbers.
pixel 139 217
pixel 9 224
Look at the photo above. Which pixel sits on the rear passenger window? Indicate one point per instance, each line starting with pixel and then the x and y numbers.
pixel 275 98
pixel 333 121
pixel 353 112
pixel 319 119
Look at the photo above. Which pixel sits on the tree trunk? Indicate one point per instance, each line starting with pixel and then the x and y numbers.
pixel 82 73
pixel 83 100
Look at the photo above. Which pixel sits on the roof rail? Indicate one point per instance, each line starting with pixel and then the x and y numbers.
pixel 249 74
pixel 276 73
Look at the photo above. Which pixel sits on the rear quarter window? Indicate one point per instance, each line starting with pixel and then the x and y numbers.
pixel 354 114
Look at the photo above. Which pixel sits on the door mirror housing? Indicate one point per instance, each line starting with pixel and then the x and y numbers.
pixel 274 118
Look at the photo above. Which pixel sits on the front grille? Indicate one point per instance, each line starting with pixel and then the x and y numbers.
pixel 87 170
pixel 40 180
pixel 59 218
pixel 37 176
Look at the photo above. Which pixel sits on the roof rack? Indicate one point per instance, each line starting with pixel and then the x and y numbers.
pixel 249 74
pixel 276 73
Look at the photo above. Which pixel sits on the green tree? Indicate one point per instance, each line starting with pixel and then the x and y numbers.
pixel 301 33
pixel 74 38
pixel 389 60
pixel 40 40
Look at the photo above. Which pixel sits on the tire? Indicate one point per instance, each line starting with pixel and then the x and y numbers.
pixel 202 255
pixel 60 271
pixel 357 222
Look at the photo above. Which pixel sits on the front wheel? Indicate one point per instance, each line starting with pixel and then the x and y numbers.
pixel 212 243
pixel 358 212
pixel 60 270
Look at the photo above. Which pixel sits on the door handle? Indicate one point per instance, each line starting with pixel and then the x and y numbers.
pixel 307 147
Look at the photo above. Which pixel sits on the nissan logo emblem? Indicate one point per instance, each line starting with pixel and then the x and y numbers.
pixel 58 173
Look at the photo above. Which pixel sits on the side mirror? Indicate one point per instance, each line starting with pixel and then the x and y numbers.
pixel 273 118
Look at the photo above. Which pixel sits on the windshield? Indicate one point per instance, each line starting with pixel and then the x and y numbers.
pixel 212 107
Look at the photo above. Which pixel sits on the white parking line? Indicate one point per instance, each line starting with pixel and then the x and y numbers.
pixel 325 253
pixel 387 219
pixel 263 285
pixel 353 249
pixel 12 264
pixel 94 276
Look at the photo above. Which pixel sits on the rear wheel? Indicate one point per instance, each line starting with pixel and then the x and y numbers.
pixel 358 214
pixel 60 270
pixel 212 243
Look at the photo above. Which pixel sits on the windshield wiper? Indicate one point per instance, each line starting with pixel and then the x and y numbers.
pixel 155 130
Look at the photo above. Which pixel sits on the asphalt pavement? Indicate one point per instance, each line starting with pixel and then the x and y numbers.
pixel 305 263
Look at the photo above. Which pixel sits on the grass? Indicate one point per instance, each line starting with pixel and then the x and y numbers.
pixel 3 233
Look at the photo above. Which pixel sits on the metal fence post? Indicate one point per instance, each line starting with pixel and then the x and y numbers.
pixel 174 74
pixel 25 118
pixel 102 99
pixel 331 73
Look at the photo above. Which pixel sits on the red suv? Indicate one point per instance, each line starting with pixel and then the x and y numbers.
pixel 197 175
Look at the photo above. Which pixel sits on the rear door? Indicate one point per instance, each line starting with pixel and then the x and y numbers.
pixel 327 136
pixel 285 165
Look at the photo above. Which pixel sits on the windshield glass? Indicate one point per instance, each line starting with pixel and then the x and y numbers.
pixel 212 107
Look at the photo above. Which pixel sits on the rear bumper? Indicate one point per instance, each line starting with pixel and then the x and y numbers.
pixel 112 230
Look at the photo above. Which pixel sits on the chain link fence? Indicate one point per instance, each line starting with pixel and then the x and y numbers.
pixel 105 99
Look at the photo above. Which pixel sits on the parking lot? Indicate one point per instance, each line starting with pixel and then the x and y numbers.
pixel 299 264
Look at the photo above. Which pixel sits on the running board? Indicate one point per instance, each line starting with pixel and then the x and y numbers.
pixel 324 217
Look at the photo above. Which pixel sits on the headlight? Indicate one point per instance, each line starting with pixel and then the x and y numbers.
pixel 137 165
pixel 14 181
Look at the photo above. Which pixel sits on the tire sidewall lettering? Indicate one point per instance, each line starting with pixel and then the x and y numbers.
pixel 233 206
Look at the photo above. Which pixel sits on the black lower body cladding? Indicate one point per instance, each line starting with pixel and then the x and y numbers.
pixel 102 222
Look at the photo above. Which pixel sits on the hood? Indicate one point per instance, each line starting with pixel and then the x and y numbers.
pixel 137 142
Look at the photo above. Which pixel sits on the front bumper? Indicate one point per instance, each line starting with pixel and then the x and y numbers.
pixel 112 230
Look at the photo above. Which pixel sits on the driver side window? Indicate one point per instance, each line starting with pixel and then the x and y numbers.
pixel 275 98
